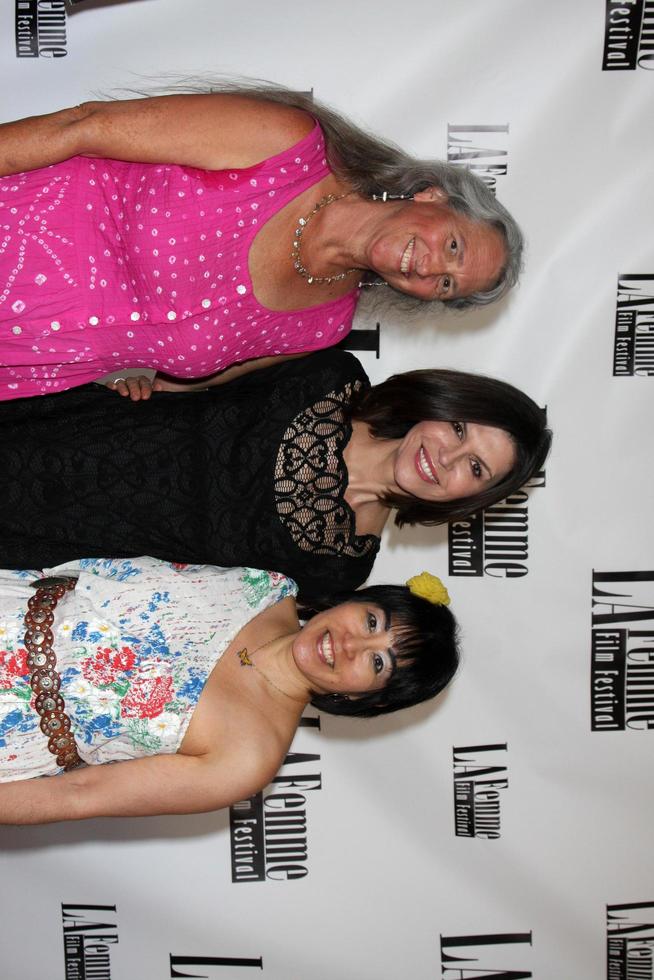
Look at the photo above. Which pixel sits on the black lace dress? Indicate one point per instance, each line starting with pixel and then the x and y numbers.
pixel 249 473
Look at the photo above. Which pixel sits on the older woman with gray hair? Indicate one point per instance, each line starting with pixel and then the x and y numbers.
pixel 192 232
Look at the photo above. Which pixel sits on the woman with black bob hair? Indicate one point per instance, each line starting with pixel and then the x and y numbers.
pixel 420 628
pixel 295 467
pixel 190 680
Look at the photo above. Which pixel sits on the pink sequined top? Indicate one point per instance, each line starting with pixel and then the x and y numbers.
pixel 106 265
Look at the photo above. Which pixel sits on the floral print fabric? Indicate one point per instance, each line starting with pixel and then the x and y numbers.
pixel 135 643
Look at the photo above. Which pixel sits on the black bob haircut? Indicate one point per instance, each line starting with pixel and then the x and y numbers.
pixel 425 648
pixel 404 400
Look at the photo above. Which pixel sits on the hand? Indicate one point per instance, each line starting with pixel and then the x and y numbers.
pixel 137 389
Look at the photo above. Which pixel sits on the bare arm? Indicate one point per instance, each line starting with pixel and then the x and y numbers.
pixel 39 141
pixel 155 785
pixel 210 131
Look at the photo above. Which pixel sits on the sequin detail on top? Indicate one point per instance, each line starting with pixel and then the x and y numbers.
pixel 106 265
pixel 135 643
pixel 311 480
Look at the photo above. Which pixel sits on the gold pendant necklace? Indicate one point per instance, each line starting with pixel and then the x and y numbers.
pixel 297 241
pixel 246 661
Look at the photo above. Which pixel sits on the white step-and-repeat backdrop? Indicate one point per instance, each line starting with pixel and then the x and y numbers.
pixel 505 832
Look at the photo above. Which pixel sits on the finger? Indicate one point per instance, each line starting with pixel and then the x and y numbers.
pixel 136 392
pixel 146 387
pixel 119 385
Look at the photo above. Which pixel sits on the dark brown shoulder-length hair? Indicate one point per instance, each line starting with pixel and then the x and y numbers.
pixel 403 400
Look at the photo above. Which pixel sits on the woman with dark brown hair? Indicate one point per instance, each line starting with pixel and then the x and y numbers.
pixel 295 467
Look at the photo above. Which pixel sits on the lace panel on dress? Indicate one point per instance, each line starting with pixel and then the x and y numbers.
pixel 311 479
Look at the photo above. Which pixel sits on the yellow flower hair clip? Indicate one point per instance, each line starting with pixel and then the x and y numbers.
pixel 429 587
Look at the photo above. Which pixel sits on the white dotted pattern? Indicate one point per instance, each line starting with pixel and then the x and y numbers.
pixel 145 266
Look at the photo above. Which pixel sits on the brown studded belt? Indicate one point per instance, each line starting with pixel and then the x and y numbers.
pixel 45 680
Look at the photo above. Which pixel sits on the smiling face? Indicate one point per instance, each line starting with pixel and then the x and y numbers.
pixel 441 461
pixel 346 650
pixel 430 251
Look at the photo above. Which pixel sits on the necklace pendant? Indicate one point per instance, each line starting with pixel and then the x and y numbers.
pixel 244 657
pixel 298 265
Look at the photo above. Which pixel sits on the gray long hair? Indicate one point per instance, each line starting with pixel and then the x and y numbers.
pixel 372 165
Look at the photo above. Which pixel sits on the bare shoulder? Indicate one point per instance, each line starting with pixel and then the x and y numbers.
pixel 212 131
pixel 277 619
pixel 249 762
pixel 257 129
pixel 273 126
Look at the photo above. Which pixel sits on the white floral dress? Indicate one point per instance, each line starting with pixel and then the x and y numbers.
pixel 135 642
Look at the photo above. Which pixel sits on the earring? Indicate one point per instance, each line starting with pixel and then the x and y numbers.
pixel 385 196
pixel 372 283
